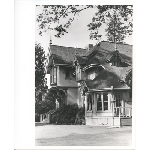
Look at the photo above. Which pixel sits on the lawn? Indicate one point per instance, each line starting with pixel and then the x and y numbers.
pixel 82 135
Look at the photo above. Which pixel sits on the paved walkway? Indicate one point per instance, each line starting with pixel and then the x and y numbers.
pixel 81 135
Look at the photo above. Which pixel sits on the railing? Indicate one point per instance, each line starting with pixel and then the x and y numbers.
pixel 123 111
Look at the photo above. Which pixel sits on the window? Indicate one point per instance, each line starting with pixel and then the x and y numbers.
pixel 118 100
pixel 102 102
pixel 79 73
pixel 116 61
pixel 99 102
pixel 89 102
pixel 105 100
pixel 53 75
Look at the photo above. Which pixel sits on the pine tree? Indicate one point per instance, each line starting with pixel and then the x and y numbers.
pixel 40 82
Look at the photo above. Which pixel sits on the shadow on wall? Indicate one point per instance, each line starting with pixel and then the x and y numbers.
pixel 72 96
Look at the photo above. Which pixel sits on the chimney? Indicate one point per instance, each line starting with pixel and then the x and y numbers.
pixel 89 46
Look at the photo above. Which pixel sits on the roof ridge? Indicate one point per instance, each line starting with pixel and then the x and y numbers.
pixel 117 43
pixel 69 47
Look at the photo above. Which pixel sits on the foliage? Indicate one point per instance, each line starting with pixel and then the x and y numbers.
pixel 116 18
pixel 45 106
pixel 118 21
pixel 48 104
pixel 56 13
pixel 40 82
pixel 37 117
pixel 67 114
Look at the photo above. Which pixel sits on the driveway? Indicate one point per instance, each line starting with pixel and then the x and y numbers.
pixel 81 135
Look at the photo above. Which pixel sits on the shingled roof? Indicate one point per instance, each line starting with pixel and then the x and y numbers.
pixel 122 48
pixel 105 79
pixel 97 55
pixel 82 59
pixel 100 52
pixel 65 55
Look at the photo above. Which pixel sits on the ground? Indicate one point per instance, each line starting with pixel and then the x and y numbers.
pixel 81 135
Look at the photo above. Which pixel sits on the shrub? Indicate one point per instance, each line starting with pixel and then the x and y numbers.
pixel 67 114
pixel 37 117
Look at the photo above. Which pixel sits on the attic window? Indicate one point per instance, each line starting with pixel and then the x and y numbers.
pixel 115 62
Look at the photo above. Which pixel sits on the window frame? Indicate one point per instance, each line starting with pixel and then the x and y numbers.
pixel 118 100
pixel 105 101
pixel 99 101
pixel 53 76
pixel 102 101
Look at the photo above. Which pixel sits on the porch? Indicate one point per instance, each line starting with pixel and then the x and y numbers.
pixel 123 112
pixel 120 116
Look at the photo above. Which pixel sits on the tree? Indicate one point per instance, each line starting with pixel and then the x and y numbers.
pixel 116 18
pixel 40 82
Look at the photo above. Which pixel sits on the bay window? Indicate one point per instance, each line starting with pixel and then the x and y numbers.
pixel 105 100
pixel 102 102
pixel 99 102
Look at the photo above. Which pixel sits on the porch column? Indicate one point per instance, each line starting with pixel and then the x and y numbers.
pixel 123 109
pixel 102 101
pixel 85 103
pixel 112 103
pixel 95 104
pixel 109 101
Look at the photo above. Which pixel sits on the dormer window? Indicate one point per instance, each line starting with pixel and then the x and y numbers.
pixel 114 59
pixel 116 63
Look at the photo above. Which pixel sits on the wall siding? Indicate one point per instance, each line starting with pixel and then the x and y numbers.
pixel 62 81
pixel 72 96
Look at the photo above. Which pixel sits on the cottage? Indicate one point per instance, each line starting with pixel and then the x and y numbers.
pixel 99 78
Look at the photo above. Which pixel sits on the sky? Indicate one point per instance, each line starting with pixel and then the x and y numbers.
pixel 78 33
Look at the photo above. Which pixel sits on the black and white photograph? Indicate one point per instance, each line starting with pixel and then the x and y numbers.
pixel 83 75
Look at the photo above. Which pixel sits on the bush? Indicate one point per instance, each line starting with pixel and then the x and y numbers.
pixel 37 118
pixel 67 114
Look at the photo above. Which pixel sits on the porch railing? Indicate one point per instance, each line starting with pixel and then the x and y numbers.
pixel 123 112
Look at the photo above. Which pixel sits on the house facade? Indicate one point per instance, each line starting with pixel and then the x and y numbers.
pixel 61 70
pixel 99 78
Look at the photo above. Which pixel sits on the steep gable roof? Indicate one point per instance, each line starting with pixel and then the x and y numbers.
pixel 105 50
pixel 110 76
pixel 122 48
pixel 65 55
